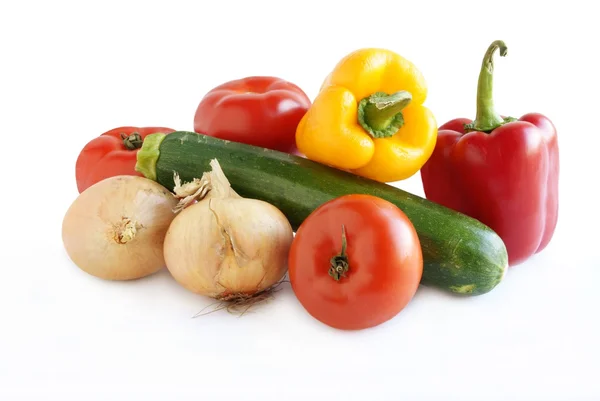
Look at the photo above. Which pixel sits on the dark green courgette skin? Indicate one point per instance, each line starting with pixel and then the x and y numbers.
pixel 460 254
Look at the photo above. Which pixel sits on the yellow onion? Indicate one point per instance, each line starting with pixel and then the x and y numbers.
pixel 225 246
pixel 115 229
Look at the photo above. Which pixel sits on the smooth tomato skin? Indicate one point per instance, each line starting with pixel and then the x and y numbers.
pixel 107 156
pixel 384 255
pixel 259 110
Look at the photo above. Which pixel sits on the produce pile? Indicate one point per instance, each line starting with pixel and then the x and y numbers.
pixel 270 183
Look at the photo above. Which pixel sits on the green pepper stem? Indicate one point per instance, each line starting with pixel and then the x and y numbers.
pixel 380 114
pixel 133 141
pixel 487 119
pixel 338 265
pixel 148 155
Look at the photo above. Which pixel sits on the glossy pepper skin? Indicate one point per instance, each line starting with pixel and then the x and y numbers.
pixel 502 171
pixel 369 118
pixel 258 110
pixel 112 153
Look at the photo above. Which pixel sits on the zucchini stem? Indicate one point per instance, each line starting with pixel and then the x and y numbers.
pixel 148 155
pixel 339 266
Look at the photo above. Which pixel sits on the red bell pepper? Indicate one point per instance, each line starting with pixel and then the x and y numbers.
pixel 499 170
pixel 258 110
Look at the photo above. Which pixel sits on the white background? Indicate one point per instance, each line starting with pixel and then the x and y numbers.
pixel 70 71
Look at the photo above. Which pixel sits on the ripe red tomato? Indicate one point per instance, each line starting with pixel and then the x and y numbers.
pixel 112 153
pixel 373 280
pixel 259 110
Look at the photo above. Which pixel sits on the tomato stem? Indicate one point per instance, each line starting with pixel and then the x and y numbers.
pixel 133 141
pixel 338 265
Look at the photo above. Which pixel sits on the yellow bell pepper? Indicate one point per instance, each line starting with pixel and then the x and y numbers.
pixel 369 118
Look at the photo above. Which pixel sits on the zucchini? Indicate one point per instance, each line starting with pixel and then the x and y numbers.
pixel 460 254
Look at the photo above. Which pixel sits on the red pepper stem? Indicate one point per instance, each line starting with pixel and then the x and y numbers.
pixel 487 119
